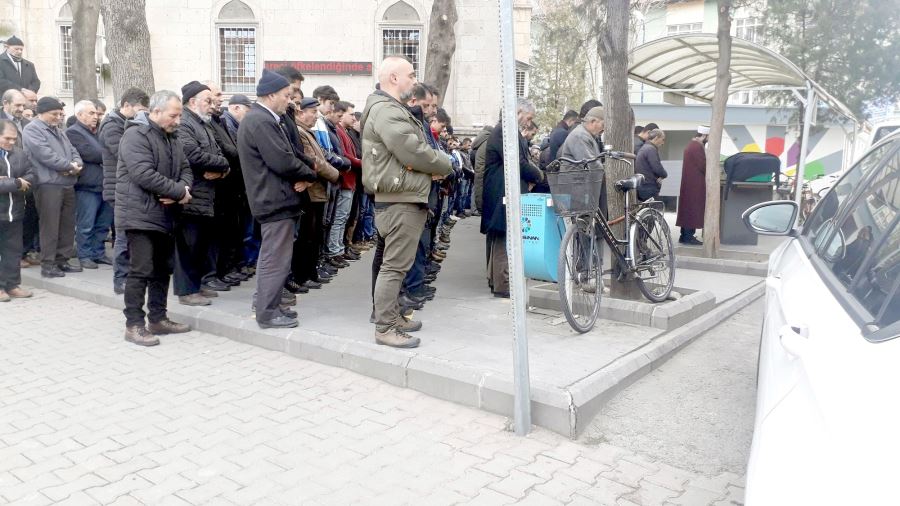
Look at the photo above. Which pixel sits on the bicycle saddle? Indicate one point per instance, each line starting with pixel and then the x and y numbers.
pixel 629 184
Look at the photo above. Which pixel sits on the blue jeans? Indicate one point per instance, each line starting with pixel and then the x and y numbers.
pixel 121 258
pixel 93 217
pixel 252 238
pixel 341 213
pixel 462 191
pixel 365 228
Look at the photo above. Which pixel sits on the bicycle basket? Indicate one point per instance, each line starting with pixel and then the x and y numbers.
pixel 575 191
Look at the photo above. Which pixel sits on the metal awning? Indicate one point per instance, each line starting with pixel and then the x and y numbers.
pixel 686 65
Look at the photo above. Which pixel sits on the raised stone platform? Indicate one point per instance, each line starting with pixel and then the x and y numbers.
pixel 466 352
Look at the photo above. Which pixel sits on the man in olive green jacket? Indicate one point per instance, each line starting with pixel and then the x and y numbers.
pixel 398 166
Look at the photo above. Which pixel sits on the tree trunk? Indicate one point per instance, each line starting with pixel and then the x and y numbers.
pixel 128 45
pixel 85 17
pixel 613 45
pixel 441 45
pixel 716 131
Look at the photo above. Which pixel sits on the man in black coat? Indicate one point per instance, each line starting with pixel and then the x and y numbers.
pixel 93 216
pixel 274 177
pixel 17 72
pixel 493 215
pixel 133 102
pixel 195 265
pixel 649 164
pixel 15 179
pixel 153 182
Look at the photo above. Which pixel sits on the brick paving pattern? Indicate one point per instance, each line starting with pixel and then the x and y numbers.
pixel 86 418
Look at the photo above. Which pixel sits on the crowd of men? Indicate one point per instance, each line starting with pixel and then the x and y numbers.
pixel 210 195
pixel 289 189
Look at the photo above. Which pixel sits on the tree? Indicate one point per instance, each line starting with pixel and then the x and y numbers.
pixel 716 130
pixel 851 48
pixel 560 62
pixel 128 45
pixel 85 18
pixel 441 45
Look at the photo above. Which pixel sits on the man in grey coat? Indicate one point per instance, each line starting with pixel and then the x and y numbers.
pixel 581 144
pixel 57 165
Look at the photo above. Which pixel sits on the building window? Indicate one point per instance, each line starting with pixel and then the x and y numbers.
pixel 402 42
pixel 237 59
pixel 238 48
pixel 684 28
pixel 401 33
pixel 65 58
pixel 521 77
pixel 748 29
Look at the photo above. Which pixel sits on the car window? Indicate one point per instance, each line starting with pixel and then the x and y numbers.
pixel 864 251
pixel 820 225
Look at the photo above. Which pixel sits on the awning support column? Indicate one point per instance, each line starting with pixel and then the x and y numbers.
pixel 810 108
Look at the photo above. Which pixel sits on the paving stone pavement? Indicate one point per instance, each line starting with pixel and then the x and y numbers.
pixel 86 418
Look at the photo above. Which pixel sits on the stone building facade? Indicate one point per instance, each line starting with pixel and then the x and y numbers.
pixel 339 42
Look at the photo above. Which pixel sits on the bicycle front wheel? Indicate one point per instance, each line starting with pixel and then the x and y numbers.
pixel 579 275
pixel 652 255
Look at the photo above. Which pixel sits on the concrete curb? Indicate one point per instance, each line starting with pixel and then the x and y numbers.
pixel 591 393
pixel 563 410
pixel 723 265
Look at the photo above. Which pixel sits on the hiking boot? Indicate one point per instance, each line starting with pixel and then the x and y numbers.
pixel 167 326
pixel 312 285
pixel 337 261
pixel 351 256
pixel 138 335
pixel 209 294
pixel 194 299
pixel 233 278
pixel 4 297
pixel 405 325
pixel 396 338
pixel 19 293
pixel 33 258
pixel 87 263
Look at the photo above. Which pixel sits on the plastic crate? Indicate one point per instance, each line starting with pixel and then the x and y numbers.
pixel 542 232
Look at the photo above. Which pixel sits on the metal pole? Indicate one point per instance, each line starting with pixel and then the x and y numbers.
pixel 522 403
pixel 804 142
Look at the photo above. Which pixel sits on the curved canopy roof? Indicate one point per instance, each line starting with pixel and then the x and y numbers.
pixel 686 65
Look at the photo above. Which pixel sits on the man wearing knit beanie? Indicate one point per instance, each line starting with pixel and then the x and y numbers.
pixel 274 176
pixel 16 72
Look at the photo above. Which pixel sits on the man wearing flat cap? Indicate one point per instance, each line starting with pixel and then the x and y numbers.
pixel 194 241
pixel 57 165
pixel 692 197
pixel 274 176
pixel 16 72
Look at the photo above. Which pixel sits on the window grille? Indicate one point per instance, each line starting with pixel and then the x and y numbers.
pixel 402 41
pixel 237 59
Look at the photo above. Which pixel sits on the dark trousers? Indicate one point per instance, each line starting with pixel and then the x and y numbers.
pixel 273 266
pixel 377 260
pixel 30 225
pixel 252 238
pixel 150 255
pixel 194 253
pixel 10 254
pixel 120 256
pixel 56 207
pixel 308 245
pixel 414 282
pixel 229 236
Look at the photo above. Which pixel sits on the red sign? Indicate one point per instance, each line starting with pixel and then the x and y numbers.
pixel 334 68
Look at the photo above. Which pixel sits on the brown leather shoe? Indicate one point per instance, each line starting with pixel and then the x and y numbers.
pixel 409 325
pixel 167 326
pixel 4 297
pixel 19 293
pixel 138 335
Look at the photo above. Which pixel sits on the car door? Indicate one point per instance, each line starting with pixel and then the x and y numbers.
pixel 828 364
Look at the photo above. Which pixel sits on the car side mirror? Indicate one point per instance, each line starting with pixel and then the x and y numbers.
pixel 776 217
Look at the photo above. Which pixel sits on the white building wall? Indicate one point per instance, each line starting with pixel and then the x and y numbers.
pixel 184 46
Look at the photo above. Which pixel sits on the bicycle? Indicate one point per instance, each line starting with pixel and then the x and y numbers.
pixel 646 251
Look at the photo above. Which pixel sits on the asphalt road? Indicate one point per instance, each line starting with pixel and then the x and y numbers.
pixel 696 410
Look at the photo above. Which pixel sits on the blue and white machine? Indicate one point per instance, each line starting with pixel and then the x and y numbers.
pixel 542 232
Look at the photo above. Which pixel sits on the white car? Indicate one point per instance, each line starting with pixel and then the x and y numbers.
pixel 827 427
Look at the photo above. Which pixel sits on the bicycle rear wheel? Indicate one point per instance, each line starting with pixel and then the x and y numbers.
pixel 652 255
pixel 579 275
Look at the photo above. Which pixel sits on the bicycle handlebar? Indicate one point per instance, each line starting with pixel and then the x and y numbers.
pixel 618 155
